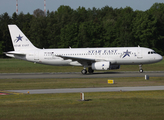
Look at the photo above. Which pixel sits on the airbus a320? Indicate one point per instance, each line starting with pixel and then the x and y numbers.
pixel 91 58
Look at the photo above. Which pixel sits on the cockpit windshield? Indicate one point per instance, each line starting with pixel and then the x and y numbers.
pixel 152 52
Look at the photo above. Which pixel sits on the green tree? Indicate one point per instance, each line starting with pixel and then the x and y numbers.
pixel 108 22
pixel 81 14
pixel 38 32
pixel 38 13
pixel 91 34
pixel 69 36
pixel 105 27
pixel 157 11
pixel 4 32
pixel 144 29
pixel 123 27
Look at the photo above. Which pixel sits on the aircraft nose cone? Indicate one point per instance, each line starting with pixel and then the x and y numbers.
pixel 160 58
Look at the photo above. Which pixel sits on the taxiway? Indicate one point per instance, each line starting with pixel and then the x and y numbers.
pixel 79 75
pixel 79 90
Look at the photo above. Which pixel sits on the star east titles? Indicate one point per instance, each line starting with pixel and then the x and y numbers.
pixel 101 51
pixel 23 45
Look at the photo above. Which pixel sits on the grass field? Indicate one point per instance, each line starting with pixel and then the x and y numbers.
pixel 15 84
pixel 100 106
pixel 142 105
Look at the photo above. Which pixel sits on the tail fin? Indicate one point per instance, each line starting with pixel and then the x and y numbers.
pixel 19 40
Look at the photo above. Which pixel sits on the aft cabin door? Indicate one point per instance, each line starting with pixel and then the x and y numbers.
pixel 36 56
pixel 139 53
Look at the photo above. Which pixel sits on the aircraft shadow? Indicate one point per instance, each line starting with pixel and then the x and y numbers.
pixel 105 73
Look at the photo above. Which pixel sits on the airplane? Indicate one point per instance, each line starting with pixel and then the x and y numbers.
pixel 91 58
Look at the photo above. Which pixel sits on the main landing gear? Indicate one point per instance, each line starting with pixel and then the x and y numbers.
pixel 90 70
pixel 84 71
pixel 140 69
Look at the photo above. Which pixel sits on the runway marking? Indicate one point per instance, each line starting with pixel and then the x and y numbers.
pixel 9 93
pixel 3 93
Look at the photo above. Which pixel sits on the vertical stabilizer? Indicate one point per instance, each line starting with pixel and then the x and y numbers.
pixel 19 40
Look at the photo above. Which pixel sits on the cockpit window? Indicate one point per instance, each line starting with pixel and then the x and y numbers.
pixel 151 52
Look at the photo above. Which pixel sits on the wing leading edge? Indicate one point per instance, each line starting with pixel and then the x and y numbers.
pixel 80 59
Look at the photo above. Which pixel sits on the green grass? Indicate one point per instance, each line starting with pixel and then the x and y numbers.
pixel 20 66
pixel 13 84
pixel 142 105
pixel 101 106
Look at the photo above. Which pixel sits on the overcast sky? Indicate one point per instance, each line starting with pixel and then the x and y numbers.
pixel 26 6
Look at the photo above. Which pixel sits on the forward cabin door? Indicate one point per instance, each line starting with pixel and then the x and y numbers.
pixel 139 53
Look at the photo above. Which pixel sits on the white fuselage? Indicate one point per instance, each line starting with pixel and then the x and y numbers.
pixel 115 55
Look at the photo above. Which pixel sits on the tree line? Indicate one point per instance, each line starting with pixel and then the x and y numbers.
pixel 80 28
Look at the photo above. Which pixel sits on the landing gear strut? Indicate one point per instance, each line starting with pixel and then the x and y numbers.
pixel 140 69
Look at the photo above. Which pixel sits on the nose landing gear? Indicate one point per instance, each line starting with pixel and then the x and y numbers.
pixel 140 69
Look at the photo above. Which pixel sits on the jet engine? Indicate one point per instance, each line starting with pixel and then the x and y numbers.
pixel 104 66
pixel 101 65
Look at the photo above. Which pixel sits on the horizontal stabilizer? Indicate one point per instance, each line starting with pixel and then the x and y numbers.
pixel 14 53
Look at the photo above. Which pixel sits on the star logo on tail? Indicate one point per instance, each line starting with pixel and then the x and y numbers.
pixel 19 38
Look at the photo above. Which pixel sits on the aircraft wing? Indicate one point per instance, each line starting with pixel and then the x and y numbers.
pixel 80 59
pixel 86 60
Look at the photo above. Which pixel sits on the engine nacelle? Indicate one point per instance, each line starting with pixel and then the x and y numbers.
pixel 101 66
pixel 112 67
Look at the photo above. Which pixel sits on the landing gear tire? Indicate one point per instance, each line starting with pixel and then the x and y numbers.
pixel 84 71
pixel 141 70
pixel 90 70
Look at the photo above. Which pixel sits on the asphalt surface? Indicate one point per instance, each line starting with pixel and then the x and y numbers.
pixel 79 90
pixel 79 75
